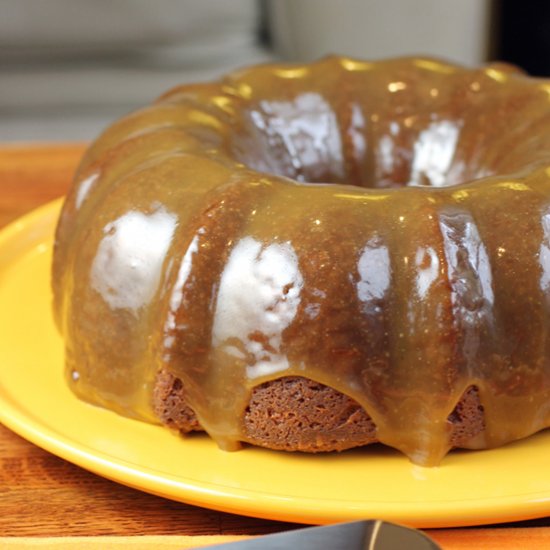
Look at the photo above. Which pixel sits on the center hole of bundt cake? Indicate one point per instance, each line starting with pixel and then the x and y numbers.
pixel 307 140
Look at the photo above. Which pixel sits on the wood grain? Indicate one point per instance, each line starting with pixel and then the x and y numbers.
pixel 33 175
pixel 44 496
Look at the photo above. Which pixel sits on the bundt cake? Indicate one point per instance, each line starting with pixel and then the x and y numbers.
pixel 317 257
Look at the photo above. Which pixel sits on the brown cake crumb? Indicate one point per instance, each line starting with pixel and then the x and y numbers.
pixel 467 418
pixel 170 404
pixel 297 414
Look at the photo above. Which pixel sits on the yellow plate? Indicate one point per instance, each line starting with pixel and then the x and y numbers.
pixel 511 483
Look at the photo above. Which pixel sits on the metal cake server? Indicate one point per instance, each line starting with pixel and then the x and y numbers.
pixel 357 535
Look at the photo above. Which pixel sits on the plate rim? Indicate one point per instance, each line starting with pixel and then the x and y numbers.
pixel 30 228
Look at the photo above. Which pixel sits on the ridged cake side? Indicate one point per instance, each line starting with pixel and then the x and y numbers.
pixel 373 237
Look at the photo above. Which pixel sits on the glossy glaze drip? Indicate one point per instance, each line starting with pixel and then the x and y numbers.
pixel 317 221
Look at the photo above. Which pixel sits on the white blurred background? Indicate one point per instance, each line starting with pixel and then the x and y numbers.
pixel 68 67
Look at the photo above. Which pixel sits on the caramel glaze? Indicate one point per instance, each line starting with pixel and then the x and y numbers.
pixel 381 228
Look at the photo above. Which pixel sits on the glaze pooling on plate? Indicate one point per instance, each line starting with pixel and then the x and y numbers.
pixel 379 228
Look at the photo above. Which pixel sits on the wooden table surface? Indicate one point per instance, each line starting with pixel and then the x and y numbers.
pixel 44 496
